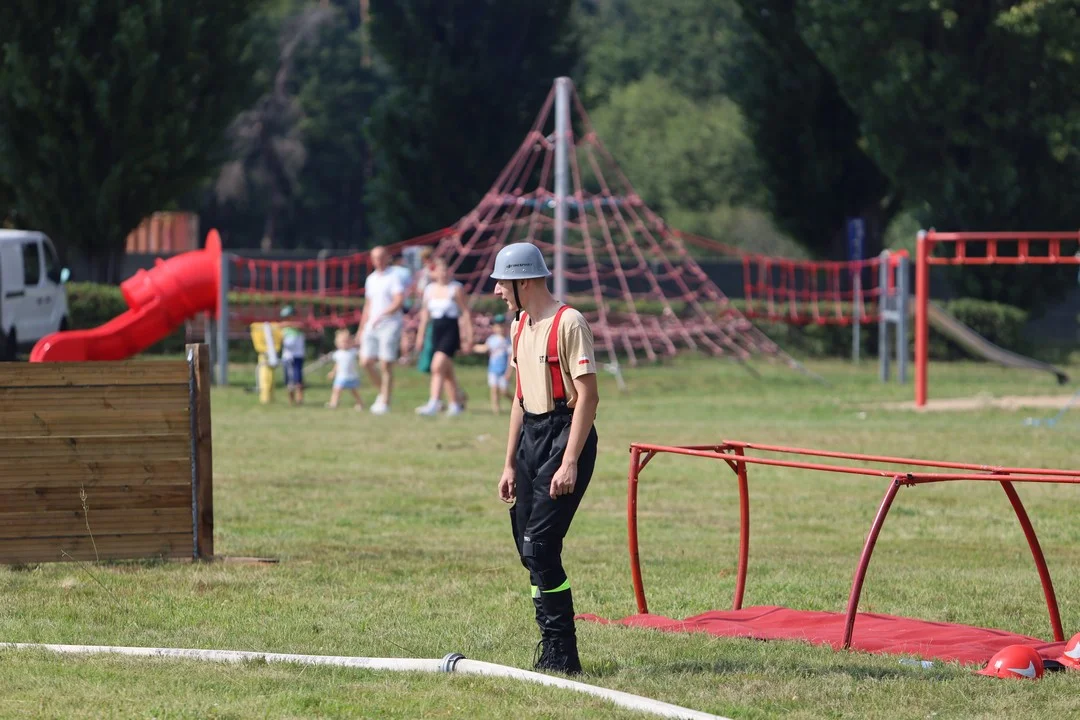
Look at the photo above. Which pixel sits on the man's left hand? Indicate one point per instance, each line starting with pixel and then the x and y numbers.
pixel 564 481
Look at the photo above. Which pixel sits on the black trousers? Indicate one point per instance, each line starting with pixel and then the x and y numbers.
pixel 539 523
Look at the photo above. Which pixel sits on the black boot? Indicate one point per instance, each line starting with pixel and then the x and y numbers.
pixel 560 644
pixel 562 655
pixel 543 648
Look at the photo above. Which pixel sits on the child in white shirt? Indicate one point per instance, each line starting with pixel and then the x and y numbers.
pixel 346 372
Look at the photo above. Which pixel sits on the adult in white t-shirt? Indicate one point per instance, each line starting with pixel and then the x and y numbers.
pixel 379 334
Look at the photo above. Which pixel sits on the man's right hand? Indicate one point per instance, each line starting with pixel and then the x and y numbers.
pixel 506 485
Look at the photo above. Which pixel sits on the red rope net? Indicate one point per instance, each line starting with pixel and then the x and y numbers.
pixel 625 269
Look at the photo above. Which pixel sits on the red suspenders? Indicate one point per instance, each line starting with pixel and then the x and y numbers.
pixel 558 392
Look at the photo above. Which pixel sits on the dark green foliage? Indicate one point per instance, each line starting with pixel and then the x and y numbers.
pixel 113 110
pixel 808 137
pixel 679 154
pixel 972 109
pixel 468 80
pixel 335 93
pixel 689 43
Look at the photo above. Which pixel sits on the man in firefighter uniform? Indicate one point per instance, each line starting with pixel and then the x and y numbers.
pixel 551 449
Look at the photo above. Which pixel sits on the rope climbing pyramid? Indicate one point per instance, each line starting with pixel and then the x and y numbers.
pixel 615 260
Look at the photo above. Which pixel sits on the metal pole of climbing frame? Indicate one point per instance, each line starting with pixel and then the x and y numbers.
pixel 922 309
pixel 222 323
pixel 885 301
pixel 856 315
pixel 562 142
pixel 903 303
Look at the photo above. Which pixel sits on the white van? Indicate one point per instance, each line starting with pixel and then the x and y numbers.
pixel 33 301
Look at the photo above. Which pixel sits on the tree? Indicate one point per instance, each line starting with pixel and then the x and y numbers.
pixel 467 81
pixel 268 147
pixel 690 43
pixel 971 108
pixel 691 162
pixel 111 110
pixel 808 138
pixel 336 90
pixel 679 154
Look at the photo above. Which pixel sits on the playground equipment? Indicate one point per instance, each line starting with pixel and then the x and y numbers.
pixel 974 248
pixel 158 301
pixel 621 265
pixel 845 293
pixel 880 633
pixel 267 338
pixel 894 307
pixel 129 440
pixel 616 260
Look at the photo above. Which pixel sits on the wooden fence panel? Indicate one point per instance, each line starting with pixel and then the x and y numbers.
pixel 106 460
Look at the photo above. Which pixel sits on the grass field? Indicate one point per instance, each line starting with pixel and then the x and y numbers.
pixel 392 543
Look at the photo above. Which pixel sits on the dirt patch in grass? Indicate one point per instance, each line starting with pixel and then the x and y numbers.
pixel 983 401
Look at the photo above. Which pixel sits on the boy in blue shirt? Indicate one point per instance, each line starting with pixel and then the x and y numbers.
pixel 292 355
pixel 497 346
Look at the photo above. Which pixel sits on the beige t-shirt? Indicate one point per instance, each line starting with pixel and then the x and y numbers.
pixel 576 358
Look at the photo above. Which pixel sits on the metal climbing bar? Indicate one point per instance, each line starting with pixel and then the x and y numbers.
pixel 903 472
pixel 1003 248
pixel 977 248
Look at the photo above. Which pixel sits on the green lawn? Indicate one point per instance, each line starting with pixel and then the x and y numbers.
pixel 392 543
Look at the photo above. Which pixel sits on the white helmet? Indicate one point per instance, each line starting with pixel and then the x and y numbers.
pixel 520 261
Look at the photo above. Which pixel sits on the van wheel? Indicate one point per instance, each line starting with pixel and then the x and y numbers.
pixel 9 347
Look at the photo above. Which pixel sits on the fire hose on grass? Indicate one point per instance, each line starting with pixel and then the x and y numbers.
pixel 451 663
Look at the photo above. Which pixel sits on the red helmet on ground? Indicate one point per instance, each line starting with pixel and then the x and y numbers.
pixel 1015 661
pixel 1070 657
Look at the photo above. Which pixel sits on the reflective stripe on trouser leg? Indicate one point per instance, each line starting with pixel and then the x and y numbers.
pixel 565 586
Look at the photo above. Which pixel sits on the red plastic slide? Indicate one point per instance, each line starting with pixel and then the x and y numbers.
pixel 158 301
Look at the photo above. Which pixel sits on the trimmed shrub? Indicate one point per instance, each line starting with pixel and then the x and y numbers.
pixel 91 304
pixel 1001 324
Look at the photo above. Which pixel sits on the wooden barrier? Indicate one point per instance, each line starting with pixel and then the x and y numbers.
pixel 106 460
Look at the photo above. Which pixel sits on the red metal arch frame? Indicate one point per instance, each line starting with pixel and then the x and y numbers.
pixel 734 453
pixel 978 248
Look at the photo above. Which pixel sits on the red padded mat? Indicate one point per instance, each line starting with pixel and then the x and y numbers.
pixel 873 632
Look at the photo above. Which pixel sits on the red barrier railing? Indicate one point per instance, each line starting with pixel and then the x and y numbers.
pixel 978 248
pixel 338 276
pixel 808 292
pixel 734 453
pixel 802 292
pixel 319 290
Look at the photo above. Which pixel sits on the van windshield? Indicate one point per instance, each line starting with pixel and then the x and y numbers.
pixel 52 263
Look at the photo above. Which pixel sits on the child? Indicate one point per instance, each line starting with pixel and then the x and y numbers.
pixel 498 348
pixel 292 355
pixel 346 372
